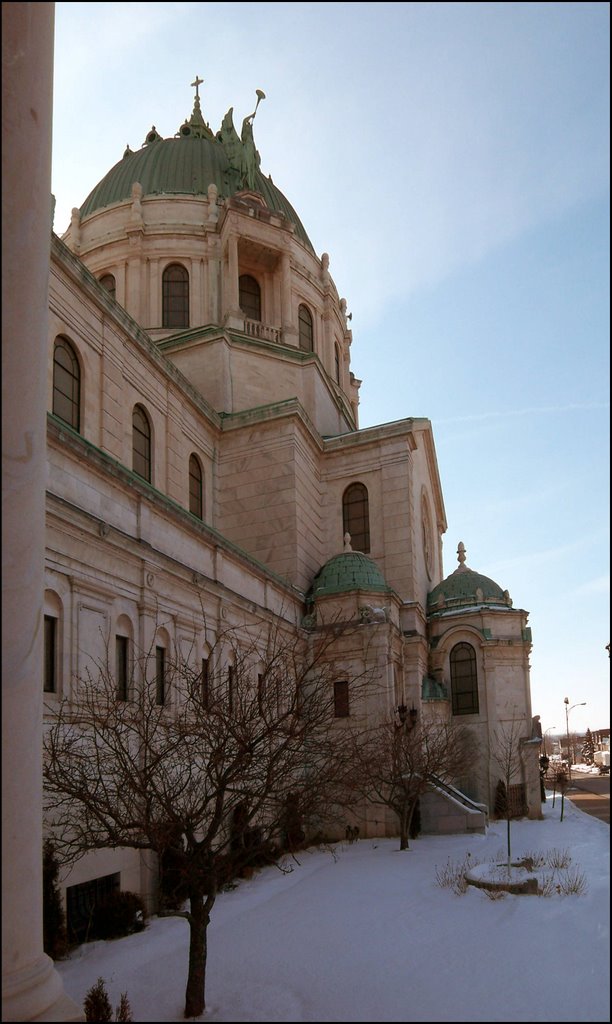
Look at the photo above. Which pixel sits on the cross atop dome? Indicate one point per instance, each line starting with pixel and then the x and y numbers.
pixel 196 125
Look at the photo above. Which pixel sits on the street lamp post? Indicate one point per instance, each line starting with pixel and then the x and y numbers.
pixel 545 731
pixel 567 711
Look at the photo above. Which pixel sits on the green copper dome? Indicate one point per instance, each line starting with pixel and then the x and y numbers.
pixel 188 163
pixel 464 588
pixel 350 570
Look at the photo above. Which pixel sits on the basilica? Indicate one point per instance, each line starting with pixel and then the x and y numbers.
pixel 204 458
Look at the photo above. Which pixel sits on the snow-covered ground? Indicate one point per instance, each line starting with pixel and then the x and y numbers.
pixel 367 933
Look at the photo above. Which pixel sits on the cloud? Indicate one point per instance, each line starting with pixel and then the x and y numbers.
pixel 533 410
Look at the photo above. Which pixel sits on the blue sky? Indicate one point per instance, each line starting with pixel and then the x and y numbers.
pixel 453 160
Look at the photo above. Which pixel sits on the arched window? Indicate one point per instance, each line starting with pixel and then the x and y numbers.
pixel 464 680
pixel 175 296
pixel 337 361
pixel 66 384
pixel 356 517
pixel 123 657
pixel 141 443
pixel 195 486
pixel 249 297
pixel 306 332
pixel 161 678
pixel 108 281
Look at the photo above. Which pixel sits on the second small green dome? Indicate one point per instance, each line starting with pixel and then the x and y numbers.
pixel 350 570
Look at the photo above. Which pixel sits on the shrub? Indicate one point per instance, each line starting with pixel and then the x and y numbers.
pixel 98 1008
pixel 573 883
pixel 415 824
pixel 558 859
pixel 55 940
pixel 119 914
pixel 124 1010
pixel 97 1004
pixel 501 800
pixel 452 876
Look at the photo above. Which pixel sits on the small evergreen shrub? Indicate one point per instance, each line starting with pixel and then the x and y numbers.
pixel 98 1008
pixel 121 913
pixel 97 1004
pixel 55 939
pixel 501 800
pixel 124 1010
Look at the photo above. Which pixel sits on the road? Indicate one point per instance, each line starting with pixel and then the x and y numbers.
pixel 591 793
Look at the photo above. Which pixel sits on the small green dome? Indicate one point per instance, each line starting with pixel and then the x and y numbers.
pixel 348 571
pixel 464 587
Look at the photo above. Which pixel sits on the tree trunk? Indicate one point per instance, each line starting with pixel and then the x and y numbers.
pixel 404 824
pixel 508 837
pixel 199 916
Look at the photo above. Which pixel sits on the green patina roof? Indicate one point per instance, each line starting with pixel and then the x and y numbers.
pixel 348 571
pixel 465 587
pixel 187 165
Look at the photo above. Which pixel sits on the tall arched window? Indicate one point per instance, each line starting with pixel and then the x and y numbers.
pixel 195 486
pixel 356 517
pixel 249 297
pixel 306 333
pixel 141 443
pixel 66 384
pixel 175 296
pixel 337 363
pixel 464 680
pixel 108 281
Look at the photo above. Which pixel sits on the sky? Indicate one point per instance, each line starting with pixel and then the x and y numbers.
pixel 453 160
pixel 368 934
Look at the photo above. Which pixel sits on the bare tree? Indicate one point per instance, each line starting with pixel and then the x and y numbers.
pixel 506 754
pixel 208 771
pixel 396 764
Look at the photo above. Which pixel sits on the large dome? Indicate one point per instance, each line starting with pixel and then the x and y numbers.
pixel 186 165
pixel 464 588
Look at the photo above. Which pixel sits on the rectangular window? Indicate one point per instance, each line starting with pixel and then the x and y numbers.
pixel 341 698
pixel 122 666
pixel 81 901
pixel 50 641
pixel 160 675
pixel 205 684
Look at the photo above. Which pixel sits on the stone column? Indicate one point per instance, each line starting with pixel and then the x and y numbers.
pixel 234 317
pixel 289 332
pixel 31 987
pixel 154 318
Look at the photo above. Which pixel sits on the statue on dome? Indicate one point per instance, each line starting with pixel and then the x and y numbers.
pixel 242 156
pixel 230 140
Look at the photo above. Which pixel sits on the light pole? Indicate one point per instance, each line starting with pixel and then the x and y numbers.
pixel 567 711
pixel 545 731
